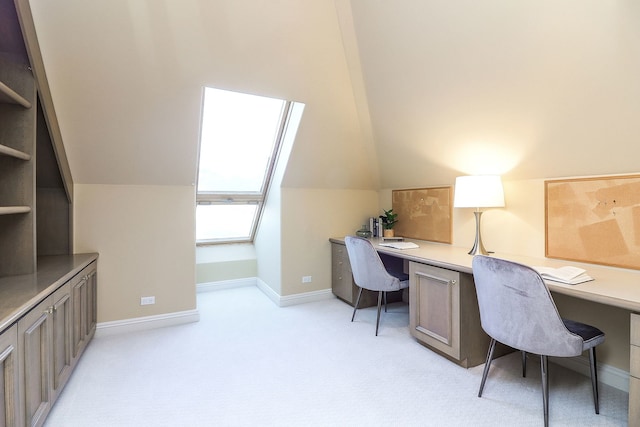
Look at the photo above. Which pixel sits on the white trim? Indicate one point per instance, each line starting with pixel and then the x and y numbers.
pixel 225 284
pixel 146 323
pixel 306 297
pixel 280 301
pixel 266 289
pixel 609 375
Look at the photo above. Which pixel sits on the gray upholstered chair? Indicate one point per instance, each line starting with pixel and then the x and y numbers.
pixel 516 309
pixel 370 273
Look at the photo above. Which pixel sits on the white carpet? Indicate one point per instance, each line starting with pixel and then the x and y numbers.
pixel 250 363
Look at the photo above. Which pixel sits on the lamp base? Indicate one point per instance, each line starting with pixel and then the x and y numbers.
pixel 478 247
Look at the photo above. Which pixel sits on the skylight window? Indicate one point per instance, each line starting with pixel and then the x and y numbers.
pixel 239 142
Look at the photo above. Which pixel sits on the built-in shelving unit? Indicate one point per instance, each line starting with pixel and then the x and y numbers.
pixel 8 151
pixel 8 210
pixel 35 198
pixel 9 96
pixel 47 294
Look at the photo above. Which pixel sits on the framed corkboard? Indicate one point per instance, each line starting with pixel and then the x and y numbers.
pixel 594 220
pixel 424 213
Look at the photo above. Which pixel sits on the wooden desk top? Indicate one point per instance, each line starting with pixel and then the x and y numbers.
pixel 612 286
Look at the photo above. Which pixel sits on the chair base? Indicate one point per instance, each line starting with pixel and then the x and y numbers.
pixel 544 371
pixel 381 294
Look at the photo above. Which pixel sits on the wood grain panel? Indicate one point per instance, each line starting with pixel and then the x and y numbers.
pixel 424 213
pixel 594 220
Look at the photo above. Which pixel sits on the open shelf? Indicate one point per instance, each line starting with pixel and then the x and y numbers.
pixel 7 210
pixel 9 96
pixel 8 151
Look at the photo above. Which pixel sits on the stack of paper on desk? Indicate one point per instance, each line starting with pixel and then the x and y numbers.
pixel 400 245
pixel 567 274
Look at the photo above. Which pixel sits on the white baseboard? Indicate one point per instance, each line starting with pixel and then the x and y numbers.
pixel 287 300
pixel 146 323
pixel 226 284
pixel 608 375
pixel 306 297
pixel 280 301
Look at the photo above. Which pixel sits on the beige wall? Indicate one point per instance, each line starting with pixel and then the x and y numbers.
pixel 146 239
pixel 216 263
pixel 309 218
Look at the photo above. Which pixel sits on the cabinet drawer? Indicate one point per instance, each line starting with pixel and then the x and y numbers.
pixel 635 329
pixel 634 402
pixel 634 361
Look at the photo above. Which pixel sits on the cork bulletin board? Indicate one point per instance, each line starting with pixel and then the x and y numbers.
pixel 424 213
pixel 594 220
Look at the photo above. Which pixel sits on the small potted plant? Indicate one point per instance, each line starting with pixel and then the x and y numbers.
pixel 389 219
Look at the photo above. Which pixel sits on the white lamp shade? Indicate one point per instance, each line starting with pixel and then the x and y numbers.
pixel 478 191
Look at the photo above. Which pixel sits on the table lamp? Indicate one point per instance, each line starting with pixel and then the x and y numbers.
pixel 478 191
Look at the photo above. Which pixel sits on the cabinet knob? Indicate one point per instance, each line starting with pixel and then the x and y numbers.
pixel 453 282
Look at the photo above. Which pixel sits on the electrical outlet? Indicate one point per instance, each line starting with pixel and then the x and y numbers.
pixel 147 300
pixel 306 279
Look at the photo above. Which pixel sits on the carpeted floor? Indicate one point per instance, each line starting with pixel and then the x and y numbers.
pixel 250 363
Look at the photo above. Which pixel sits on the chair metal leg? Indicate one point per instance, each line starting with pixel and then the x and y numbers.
pixel 379 307
pixel 594 377
pixel 487 364
pixel 545 388
pixel 385 302
pixel 524 364
pixel 355 307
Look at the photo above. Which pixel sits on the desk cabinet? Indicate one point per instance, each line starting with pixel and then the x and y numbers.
pixel 444 314
pixel 342 284
pixel 634 374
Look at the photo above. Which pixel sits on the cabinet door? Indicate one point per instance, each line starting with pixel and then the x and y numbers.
pixel 79 320
pixel 92 301
pixel 9 391
pixel 434 307
pixel 84 293
pixel 34 346
pixel 61 342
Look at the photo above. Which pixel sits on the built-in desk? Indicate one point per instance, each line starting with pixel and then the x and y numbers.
pixel 611 286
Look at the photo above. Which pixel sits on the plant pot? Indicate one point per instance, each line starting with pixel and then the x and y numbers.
pixel 388 233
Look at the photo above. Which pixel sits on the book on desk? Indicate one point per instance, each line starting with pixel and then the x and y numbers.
pixel 568 274
pixel 399 245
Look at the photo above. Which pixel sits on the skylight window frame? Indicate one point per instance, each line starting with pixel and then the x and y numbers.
pixel 258 198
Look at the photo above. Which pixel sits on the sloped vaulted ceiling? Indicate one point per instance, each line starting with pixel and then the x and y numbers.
pixel 398 93
pixel 532 89
pixel 127 77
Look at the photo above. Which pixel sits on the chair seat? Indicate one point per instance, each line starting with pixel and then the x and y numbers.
pixel 403 277
pixel 591 335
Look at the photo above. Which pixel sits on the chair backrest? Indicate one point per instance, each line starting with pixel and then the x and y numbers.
pixel 516 309
pixel 368 270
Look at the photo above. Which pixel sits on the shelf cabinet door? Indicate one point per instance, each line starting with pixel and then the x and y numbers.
pixel 61 340
pixel 34 332
pixel 84 312
pixel 9 379
pixel 434 309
